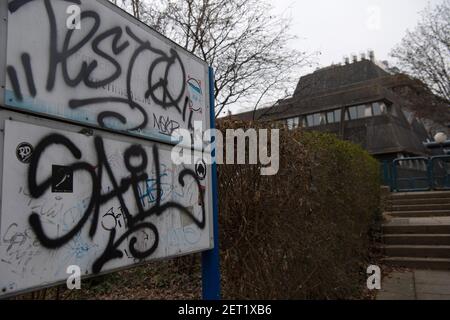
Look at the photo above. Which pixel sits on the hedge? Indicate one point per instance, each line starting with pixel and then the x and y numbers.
pixel 303 233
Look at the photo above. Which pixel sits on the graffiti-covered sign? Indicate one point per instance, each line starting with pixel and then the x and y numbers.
pixel 88 62
pixel 98 201
pixel 99 191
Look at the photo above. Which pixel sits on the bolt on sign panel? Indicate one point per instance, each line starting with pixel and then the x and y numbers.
pixel 107 70
pixel 101 202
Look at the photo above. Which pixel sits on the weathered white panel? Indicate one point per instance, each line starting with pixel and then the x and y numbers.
pixel 113 72
pixel 50 200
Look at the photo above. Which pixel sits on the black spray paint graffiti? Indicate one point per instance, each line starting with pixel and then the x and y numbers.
pixel 165 125
pixel 134 222
pixel 159 89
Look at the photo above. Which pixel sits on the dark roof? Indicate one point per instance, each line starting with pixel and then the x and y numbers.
pixel 338 76
pixel 327 88
pixel 345 85
pixel 359 83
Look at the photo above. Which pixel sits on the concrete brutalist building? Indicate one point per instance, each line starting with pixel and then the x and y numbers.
pixel 387 113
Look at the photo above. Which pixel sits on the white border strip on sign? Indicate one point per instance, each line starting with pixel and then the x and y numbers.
pixel 3 50
pixel 3 43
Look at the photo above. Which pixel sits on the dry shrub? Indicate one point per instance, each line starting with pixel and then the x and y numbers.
pixel 303 233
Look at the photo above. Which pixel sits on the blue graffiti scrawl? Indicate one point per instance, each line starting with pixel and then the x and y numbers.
pixel 195 91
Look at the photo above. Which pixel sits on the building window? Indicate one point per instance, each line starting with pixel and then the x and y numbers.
pixel 368 110
pixel 290 124
pixel 352 113
pixel 364 111
pixel 330 117
pixel 317 119
pixel 323 118
pixel 361 111
pixel 310 120
pixel 334 116
pixel 304 122
pixel 293 123
pixel 337 115
pixel 379 108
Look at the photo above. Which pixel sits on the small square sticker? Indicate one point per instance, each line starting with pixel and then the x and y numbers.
pixel 62 179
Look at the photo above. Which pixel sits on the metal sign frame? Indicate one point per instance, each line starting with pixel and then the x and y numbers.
pixel 211 259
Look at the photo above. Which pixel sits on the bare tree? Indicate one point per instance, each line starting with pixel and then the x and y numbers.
pixel 244 43
pixel 133 6
pixel 425 52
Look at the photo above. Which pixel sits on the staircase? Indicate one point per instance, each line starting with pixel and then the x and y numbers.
pixel 417 230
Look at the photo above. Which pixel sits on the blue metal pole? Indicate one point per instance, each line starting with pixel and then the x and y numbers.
pixel 211 258
pixel 430 173
pixel 385 169
pixel 394 175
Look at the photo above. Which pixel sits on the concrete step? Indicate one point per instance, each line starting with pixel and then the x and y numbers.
pixel 415 229
pixel 442 252
pixel 417 239
pixel 419 214
pixel 418 263
pixel 420 207
pixel 400 202
pixel 419 195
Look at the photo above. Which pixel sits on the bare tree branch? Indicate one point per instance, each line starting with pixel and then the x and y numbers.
pixel 244 43
pixel 425 52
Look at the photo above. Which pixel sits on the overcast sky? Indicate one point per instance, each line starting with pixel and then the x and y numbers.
pixel 342 27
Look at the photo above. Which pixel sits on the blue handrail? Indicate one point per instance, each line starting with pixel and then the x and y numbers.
pixel 411 180
pixel 446 185
pixel 430 179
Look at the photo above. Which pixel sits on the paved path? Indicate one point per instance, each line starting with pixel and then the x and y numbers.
pixel 416 285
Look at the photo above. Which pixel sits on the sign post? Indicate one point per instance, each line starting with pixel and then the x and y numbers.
pixel 211 258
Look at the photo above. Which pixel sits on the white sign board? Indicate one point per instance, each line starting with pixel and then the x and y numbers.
pixel 108 70
pixel 101 202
